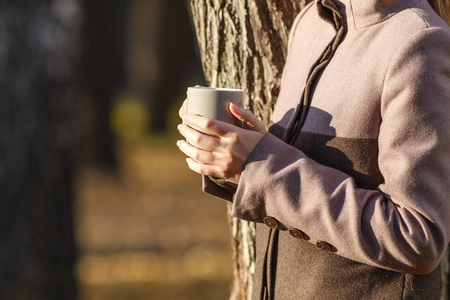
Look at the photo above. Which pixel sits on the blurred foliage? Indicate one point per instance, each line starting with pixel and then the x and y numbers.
pixel 149 232
pixel 129 117
pixel 146 230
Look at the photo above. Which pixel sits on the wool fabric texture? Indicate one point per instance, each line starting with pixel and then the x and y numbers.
pixel 357 206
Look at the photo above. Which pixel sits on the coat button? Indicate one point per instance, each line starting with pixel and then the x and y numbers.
pixel 323 245
pixel 298 234
pixel 270 222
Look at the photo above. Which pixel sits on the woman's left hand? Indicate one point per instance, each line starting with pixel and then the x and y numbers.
pixel 224 153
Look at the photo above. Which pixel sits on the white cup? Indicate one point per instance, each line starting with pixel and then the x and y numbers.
pixel 214 103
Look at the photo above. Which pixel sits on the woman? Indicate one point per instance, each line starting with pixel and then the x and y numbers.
pixel 349 189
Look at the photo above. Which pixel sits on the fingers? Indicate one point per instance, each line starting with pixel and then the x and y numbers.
pixel 198 155
pixel 208 170
pixel 213 127
pixel 198 139
pixel 182 110
pixel 248 118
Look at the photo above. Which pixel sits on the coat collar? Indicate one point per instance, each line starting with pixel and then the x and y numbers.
pixel 363 13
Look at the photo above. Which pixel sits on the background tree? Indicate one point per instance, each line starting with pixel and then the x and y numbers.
pixel 37 93
pixel 243 45
pixel 102 71
pixel 161 59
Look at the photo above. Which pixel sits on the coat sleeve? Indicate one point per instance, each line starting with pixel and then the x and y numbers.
pixel 404 225
pixel 218 187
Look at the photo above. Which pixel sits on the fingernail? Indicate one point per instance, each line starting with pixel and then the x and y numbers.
pixel 186 117
pixel 179 127
pixel 178 143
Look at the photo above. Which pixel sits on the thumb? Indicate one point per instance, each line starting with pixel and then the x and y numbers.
pixel 249 119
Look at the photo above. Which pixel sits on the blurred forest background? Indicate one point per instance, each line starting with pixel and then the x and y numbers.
pixel 96 201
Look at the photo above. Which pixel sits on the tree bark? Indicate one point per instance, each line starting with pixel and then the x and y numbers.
pixel 243 44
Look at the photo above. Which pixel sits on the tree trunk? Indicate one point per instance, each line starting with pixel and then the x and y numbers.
pixel 37 251
pixel 243 45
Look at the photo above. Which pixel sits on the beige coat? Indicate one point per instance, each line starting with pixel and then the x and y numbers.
pixel 359 206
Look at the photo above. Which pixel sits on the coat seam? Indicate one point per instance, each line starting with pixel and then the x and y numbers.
pixel 402 46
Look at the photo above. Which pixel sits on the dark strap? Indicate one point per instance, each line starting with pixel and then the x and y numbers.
pixel 305 100
pixel 269 267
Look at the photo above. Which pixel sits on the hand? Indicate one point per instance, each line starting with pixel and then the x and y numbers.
pixel 182 110
pixel 224 153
